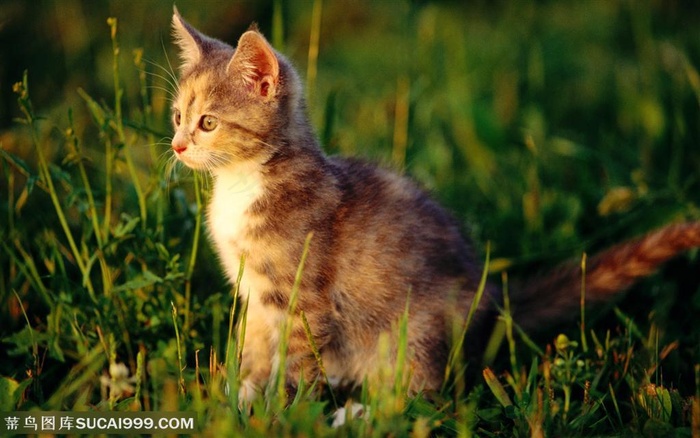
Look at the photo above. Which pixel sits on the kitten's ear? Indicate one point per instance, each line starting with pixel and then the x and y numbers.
pixel 188 39
pixel 255 61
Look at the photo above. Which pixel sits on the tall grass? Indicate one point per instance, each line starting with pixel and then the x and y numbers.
pixel 547 127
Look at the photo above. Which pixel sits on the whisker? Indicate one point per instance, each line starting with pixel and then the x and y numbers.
pixel 170 72
pixel 167 77
pixel 216 159
pixel 167 59
pixel 166 155
pixel 170 88
pixel 264 143
pixel 161 143
pixel 171 95
pixel 170 171
pixel 173 85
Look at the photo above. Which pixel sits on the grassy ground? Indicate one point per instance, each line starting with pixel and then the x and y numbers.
pixel 549 128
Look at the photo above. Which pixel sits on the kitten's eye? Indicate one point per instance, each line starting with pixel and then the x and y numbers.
pixel 208 123
pixel 176 117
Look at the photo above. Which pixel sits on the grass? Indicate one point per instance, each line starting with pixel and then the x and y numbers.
pixel 548 128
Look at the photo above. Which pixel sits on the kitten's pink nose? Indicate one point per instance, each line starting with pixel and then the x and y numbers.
pixel 179 143
pixel 179 147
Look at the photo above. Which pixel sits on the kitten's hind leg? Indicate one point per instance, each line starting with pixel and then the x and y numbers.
pixel 430 352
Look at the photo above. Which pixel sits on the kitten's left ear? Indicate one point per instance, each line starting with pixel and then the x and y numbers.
pixel 256 62
pixel 188 39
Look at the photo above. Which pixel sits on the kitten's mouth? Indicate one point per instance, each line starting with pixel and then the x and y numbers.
pixel 187 161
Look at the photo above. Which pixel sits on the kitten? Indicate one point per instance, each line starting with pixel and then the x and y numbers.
pixel 379 242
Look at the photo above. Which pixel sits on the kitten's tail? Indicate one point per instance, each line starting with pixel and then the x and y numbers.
pixel 556 297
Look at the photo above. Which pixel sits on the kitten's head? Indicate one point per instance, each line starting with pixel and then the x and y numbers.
pixel 232 105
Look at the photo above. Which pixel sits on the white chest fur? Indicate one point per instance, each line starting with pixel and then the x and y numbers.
pixel 235 190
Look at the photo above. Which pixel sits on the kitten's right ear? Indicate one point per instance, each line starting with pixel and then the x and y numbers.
pixel 256 63
pixel 188 39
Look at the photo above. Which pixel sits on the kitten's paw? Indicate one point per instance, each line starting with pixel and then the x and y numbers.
pixel 247 393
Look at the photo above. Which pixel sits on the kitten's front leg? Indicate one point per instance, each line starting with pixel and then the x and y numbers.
pixel 256 361
pixel 302 363
pixel 260 361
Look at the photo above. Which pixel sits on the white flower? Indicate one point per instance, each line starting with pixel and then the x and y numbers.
pixel 118 381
